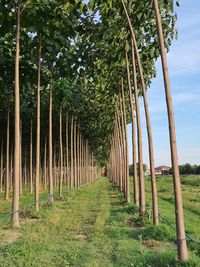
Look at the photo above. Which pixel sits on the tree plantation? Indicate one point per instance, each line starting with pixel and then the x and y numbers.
pixel 72 74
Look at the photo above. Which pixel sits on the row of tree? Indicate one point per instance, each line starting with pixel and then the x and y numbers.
pixel 119 147
pixel 79 72
pixel 72 159
pixel 189 169
pixel 45 140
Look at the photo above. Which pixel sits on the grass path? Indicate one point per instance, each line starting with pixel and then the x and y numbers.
pixel 90 227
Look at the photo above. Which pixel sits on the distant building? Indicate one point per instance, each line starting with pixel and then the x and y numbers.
pixel 162 170
pixel 147 172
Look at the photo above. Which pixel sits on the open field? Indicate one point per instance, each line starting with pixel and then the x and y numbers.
pixel 93 226
pixel 191 201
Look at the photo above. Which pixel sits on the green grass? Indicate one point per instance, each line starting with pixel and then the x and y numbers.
pixel 191 203
pixel 91 226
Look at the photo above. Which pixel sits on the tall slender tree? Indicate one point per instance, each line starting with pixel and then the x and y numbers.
pixel 67 150
pixel 126 146
pixel 61 153
pixel 45 164
pixel 135 178
pixel 50 147
pixel 148 122
pixel 15 203
pixel 37 178
pixel 7 181
pixel 180 227
pixel 139 135
pixel 1 172
pixel 75 154
pixel 72 154
pixel 31 159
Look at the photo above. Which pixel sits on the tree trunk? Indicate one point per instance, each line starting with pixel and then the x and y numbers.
pixel 78 156
pixel 90 166
pixel 7 157
pixel 25 170
pixel 148 124
pixel 123 147
pixel 150 139
pixel 126 146
pixel 11 168
pixel 180 227
pixel 92 162
pixel 67 150
pixel 87 165
pixel 31 158
pixel 1 178
pixel 85 161
pixel 72 154
pixel 84 167
pixel 37 178
pixel 54 166
pixel 45 164
pixel 20 161
pixel 85 156
pixel 61 154
pixel 50 147
pixel 15 203
pixel 121 150
pixel 135 178
pixel 81 160
pixel 75 156
pixel 115 162
pixel 139 133
pixel 64 166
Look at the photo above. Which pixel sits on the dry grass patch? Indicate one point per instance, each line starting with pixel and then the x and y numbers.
pixel 9 236
pixel 158 246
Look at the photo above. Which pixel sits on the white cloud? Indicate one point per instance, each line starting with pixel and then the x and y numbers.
pixel 186 97
pixel 178 99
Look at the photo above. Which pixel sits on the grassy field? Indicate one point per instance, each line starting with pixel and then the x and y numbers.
pixel 191 201
pixel 93 226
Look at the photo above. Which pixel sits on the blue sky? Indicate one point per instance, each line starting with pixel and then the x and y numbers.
pixel 184 69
